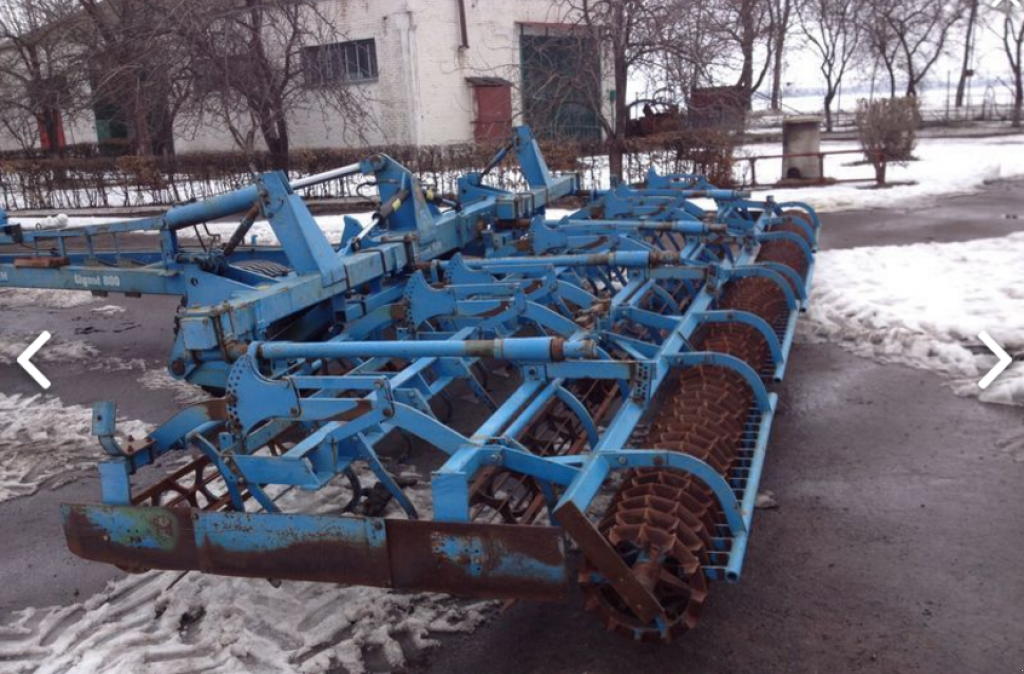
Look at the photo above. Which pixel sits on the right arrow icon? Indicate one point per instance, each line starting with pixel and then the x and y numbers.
pixel 1004 360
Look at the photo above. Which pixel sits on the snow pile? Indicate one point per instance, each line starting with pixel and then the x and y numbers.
pixel 20 298
pixel 52 222
pixel 946 166
pixel 924 304
pixel 41 438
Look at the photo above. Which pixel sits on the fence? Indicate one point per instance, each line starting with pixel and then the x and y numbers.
pixel 846 120
pixel 91 182
pixel 131 181
pixel 752 163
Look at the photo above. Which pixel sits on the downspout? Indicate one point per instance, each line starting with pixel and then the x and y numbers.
pixel 462 24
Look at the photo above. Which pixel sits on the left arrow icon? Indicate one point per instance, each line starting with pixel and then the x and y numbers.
pixel 25 360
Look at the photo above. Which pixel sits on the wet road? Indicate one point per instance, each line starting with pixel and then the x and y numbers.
pixel 998 210
pixel 36 567
pixel 897 545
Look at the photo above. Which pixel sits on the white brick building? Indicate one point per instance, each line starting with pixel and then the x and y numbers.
pixel 421 83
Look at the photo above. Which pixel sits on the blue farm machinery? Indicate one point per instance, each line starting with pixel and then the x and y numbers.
pixel 621 450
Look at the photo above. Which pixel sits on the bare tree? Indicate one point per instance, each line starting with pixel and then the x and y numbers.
pixel 879 40
pixel 969 38
pixel 255 63
pixel 39 78
pixel 833 30
pixel 134 67
pixel 921 28
pixel 634 35
pixel 781 12
pixel 748 30
pixel 697 53
pixel 753 25
pixel 1011 31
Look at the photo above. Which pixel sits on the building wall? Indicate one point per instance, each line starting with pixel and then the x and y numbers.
pixel 445 106
pixel 421 95
pixel 446 113
pixel 313 126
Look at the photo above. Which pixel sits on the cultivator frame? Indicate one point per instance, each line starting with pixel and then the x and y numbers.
pixel 643 330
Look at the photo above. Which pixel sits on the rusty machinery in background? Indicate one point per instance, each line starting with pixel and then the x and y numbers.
pixel 642 334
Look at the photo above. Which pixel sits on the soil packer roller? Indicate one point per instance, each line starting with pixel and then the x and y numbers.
pixel 621 448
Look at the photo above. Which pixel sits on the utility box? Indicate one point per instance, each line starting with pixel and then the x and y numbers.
pixel 801 135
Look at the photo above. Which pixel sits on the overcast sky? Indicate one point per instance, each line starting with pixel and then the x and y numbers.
pixel 805 83
pixel 990 64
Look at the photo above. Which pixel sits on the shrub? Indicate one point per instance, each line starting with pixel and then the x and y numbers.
pixel 887 130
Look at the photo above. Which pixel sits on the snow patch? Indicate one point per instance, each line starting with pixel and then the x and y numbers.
pixel 331 225
pixel 36 298
pixel 171 622
pixel 109 310
pixel 184 392
pixel 924 304
pixel 12 344
pixel 42 438
pixel 945 166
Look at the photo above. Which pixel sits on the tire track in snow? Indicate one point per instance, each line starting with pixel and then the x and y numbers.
pixel 41 438
pixel 161 622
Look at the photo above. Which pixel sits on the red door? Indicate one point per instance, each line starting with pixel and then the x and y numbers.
pixel 44 138
pixel 493 111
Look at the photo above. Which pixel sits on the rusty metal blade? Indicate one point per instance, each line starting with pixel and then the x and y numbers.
pixel 503 561
pixel 603 556
pixel 479 560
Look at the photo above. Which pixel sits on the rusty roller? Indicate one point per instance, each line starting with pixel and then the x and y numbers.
pixel 662 523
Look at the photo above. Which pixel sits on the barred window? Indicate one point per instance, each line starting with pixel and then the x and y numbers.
pixel 340 63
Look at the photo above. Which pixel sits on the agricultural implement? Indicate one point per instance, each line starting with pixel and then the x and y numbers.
pixel 621 449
